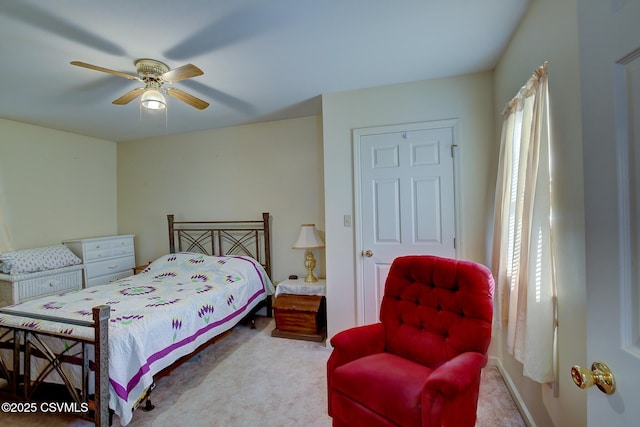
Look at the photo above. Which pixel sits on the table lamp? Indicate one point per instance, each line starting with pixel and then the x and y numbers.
pixel 309 239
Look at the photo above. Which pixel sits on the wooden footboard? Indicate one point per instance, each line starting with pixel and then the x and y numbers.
pixel 25 342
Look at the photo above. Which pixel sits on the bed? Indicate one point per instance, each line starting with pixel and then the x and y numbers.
pixel 107 344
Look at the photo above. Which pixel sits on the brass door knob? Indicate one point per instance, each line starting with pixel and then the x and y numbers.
pixel 600 375
pixel 368 253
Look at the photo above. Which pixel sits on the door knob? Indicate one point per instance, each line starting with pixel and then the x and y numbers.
pixel 368 253
pixel 600 375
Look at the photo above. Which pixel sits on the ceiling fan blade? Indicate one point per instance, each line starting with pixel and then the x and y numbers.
pixel 105 70
pixel 189 99
pixel 181 73
pixel 129 96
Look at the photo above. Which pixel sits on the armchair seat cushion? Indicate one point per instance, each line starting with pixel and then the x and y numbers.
pixel 388 385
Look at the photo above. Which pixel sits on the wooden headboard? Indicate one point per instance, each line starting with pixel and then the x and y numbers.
pixel 237 237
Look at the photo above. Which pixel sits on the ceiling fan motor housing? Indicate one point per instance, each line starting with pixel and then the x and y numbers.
pixel 151 70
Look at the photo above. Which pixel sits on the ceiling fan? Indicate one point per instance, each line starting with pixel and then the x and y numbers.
pixel 154 74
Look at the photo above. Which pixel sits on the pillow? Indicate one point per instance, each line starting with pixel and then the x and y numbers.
pixel 38 259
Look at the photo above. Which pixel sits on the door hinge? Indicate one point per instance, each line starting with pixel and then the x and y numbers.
pixel 452 147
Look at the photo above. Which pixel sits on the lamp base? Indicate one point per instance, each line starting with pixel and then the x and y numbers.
pixel 310 264
pixel 310 278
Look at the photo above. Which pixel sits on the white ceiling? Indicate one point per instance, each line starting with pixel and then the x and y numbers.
pixel 262 59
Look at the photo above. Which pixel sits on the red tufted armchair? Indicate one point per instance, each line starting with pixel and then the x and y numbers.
pixel 420 365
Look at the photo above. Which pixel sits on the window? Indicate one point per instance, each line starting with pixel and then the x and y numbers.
pixel 523 261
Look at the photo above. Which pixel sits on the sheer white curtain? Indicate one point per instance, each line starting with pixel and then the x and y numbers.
pixel 523 261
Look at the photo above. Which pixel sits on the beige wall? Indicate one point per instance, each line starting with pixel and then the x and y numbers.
pixel 55 185
pixel 549 32
pixel 229 173
pixel 466 98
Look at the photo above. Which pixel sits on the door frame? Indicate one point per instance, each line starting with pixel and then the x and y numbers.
pixel 357 134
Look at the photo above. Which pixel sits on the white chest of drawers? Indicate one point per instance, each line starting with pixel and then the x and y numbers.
pixel 105 259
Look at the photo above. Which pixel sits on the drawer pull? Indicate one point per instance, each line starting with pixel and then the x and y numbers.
pixel 111 267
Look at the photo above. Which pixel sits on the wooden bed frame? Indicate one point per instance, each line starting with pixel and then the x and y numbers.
pixel 246 238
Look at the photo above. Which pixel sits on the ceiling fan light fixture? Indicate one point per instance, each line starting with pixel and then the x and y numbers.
pixel 153 100
pixel 154 74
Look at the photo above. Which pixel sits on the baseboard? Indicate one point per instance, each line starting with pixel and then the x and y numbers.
pixel 522 408
pixel 493 361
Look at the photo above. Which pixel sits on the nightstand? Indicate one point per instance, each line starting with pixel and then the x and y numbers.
pixel 140 268
pixel 300 310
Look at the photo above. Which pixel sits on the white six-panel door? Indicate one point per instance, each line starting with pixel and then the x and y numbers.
pixel 610 83
pixel 405 201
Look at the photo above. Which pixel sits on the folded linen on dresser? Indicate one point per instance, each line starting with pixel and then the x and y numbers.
pixel 26 261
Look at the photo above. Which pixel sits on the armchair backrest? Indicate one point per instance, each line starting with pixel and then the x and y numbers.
pixel 434 309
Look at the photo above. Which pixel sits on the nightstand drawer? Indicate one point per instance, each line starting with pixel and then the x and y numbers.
pixel 110 266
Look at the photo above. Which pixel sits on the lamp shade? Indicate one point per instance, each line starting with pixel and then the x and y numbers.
pixel 153 100
pixel 308 238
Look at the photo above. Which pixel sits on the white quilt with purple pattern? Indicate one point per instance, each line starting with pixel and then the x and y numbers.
pixel 179 302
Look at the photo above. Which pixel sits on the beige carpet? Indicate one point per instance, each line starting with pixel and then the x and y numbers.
pixel 251 378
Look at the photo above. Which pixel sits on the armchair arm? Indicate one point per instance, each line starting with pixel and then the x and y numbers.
pixel 354 343
pixel 450 395
pixel 453 377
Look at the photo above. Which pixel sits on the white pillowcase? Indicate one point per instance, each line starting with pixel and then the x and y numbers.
pixel 38 259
